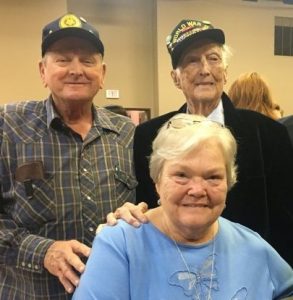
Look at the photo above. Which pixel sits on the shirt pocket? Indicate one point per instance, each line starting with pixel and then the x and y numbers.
pixel 125 178
pixel 125 183
pixel 39 208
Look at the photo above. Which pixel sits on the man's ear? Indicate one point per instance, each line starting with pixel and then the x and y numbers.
pixel 157 188
pixel 225 75
pixel 103 75
pixel 42 72
pixel 176 78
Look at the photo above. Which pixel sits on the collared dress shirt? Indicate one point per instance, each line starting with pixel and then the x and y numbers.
pixel 217 115
pixel 55 186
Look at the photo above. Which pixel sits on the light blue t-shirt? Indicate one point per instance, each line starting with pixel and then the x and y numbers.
pixel 144 264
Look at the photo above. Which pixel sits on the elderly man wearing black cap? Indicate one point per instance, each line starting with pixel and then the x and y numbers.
pixel 64 164
pixel 262 198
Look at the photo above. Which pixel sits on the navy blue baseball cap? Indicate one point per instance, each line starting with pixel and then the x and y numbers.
pixel 188 31
pixel 70 25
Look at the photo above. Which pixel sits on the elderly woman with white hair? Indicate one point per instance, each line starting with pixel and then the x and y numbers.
pixel 186 251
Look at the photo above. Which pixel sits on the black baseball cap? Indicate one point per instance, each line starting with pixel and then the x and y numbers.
pixel 188 31
pixel 70 25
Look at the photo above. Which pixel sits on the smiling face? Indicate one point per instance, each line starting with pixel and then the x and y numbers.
pixel 201 73
pixel 72 70
pixel 193 192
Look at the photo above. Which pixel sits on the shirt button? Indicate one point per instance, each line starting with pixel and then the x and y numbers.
pixel 84 169
pixel 91 229
pixel 23 264
pixel 88 197
pixel 29 265
pixel 36 267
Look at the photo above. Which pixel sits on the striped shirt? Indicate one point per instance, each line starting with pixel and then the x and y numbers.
pixel 55 186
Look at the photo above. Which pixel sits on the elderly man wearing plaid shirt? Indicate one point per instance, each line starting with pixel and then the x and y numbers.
pixel 64 164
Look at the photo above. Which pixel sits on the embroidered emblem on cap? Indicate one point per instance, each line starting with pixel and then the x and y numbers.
pixel 185 29
pixel 69 21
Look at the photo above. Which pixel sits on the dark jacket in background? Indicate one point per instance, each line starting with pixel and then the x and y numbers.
pixel 288 122
pixel 262 199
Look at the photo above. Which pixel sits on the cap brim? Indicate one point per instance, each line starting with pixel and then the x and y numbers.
pixel 216 35
pixel 77 32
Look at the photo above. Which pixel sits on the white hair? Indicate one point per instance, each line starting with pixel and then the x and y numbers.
pixel 174 142
pixel 226 54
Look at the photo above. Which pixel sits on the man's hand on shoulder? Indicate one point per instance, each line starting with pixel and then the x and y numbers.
pixel 130 213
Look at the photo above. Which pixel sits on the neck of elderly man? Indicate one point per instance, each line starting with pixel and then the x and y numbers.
pixel 201 74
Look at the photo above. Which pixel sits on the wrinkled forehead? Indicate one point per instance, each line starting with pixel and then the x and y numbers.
pixel 72 43
pixel 201 47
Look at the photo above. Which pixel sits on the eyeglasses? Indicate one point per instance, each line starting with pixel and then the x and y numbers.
pixel 182 122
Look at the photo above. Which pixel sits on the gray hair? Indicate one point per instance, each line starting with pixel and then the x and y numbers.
pixel 226 54
pixel 185 132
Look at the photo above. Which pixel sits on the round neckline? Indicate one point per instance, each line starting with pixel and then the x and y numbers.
pixel 183 245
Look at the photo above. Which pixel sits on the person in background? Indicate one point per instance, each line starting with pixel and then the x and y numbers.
pixel 250 91
pixel 262 197
pixel 186 251
pixel 64 164
pixel 117 109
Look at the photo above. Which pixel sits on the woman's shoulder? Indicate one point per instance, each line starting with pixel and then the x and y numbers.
pixel 130 238
pixel 249 243
pixel 238 234
pixel 125 229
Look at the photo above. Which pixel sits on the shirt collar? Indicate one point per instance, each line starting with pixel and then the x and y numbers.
pixel 217 115
pixel 100 119
pixel 51 112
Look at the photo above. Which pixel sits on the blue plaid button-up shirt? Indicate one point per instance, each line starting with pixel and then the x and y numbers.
pixel 55 186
